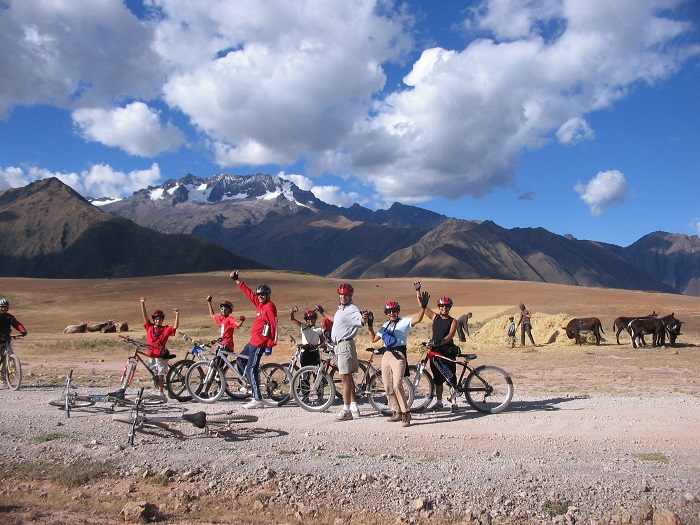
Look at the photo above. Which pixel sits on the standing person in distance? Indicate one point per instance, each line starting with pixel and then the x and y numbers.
pixel 157 335
pixel 511 331
pixel 444 328
pixel 394 335
pixel 8 321
pixel 525 325
pixel 346 321
pixel 227 323
pixel 311 337
pixel 263 335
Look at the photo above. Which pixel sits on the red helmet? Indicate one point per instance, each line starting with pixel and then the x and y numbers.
pixel 392 305
pixel 157 313
pixel 444 301
pixel 310 314
pixel 227 304
pixel 346 289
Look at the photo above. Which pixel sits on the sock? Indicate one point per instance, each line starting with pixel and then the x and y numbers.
pixel 353 406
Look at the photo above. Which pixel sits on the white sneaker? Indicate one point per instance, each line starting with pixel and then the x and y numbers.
pixel 255 403
pixel 344 415
pixel 355 411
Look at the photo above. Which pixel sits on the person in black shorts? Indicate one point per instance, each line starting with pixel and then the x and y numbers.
pixel 444 329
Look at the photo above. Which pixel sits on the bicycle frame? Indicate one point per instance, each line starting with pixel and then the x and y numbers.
pixel 133 361
pixel 6 354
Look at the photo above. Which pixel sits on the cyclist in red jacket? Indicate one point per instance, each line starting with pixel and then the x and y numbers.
pixel 8 321
pixel 263 334
pixel 157 335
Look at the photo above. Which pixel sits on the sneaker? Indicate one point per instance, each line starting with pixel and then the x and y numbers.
pixel 396 416
pixel 355 412
pixel 344 415
pixel 255 403
pixel 406 420
pixel 438 406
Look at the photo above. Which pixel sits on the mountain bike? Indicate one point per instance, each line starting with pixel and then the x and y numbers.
pixel 206 380
pixel 487 388
pixel 11 366
pixel 71 399
pixel 175 378
pixel 285 383
pixel 139 419
pixel 132 363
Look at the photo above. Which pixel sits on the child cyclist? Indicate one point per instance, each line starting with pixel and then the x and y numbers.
pixel 8 321
pixel 311 337
pixel 157 335
pixel 227 323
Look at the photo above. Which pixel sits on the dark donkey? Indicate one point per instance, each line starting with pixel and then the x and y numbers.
pixel 583 325
pixel 658 326
pixel 621 323
pixel 644 326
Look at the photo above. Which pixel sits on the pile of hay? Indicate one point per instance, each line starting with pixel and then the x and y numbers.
pixel 546 329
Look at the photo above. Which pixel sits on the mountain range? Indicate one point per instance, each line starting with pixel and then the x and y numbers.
pixel 271 222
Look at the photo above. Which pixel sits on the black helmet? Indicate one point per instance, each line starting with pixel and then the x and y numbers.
pixel 157 313
pixel 263 288
pixel 227 304
pixel 4 302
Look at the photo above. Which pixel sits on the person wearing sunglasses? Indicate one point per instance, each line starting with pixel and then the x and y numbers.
pixel 394 335
pixel 157 335
pixel 444 328
pixel 263 335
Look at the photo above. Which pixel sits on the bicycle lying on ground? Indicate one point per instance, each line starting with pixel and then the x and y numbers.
pixel 139 419
pixel 71 399
pixel 487 388
pixel 206 380
pixel 11 366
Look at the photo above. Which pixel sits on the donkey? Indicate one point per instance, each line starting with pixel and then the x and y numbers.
pixel 673 328
pixel 583 325
pixel 652 325
pixel 621 323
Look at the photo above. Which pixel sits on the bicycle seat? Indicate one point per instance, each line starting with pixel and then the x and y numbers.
pixel 469 357
pixel 198 419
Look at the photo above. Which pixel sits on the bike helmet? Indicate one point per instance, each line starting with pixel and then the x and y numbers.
pixel 392 305
pixel 227 304
pixel 263 289
pixel 444 301
pixel 157 313
pixel 4 302
pixel 346 289
pixel 310 314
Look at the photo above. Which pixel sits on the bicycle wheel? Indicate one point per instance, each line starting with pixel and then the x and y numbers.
pixel 152 400
pixel 143 423
pixel 235 387
pixel 74 401
pixel 313 390
pixel 275 384
pixel 377 395
pixel 423 388
pixel 489 389
pixel 175 381
pixel 228 418
pixel 205 382
pixel 13 372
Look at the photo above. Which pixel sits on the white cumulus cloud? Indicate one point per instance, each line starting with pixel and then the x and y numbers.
pixel 604 190
pixel 574 131
pixel 135 129
pixel 329 193
pixel 99 180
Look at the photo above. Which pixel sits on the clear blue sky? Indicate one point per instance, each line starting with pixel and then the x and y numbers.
pixel 580 117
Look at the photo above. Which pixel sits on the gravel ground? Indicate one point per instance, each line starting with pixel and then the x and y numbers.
pixel 607 458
